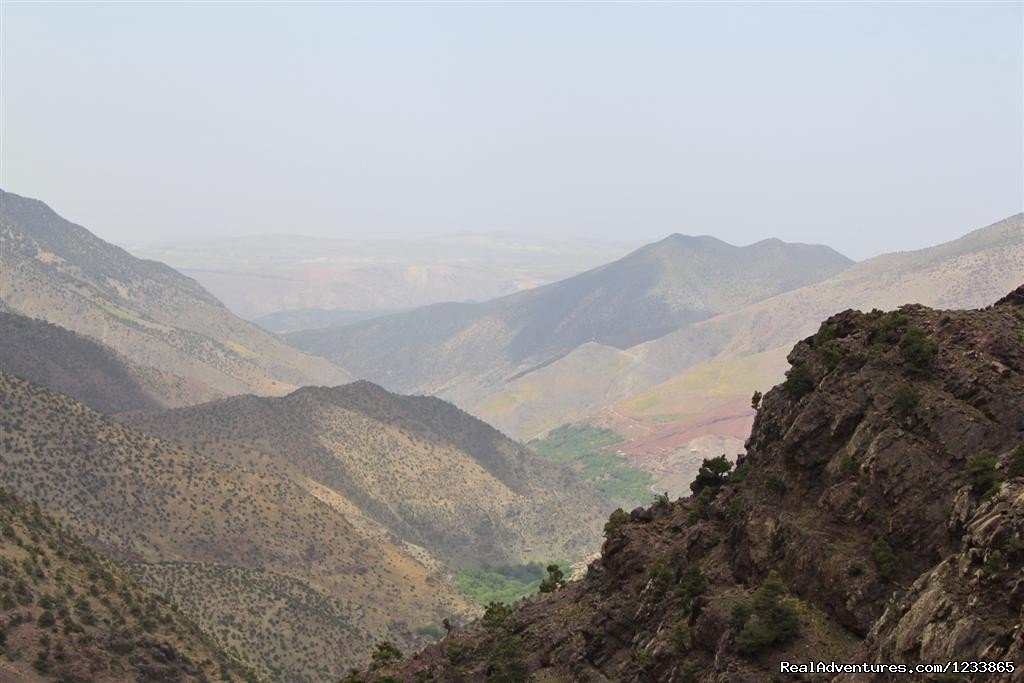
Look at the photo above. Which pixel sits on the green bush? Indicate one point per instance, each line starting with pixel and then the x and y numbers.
pixel 496 616
pixel 768 619
pixel 755 400
pixel 616 521
pixel 454 651
pixel 553 581
pixel 712 473
pixel 918 349
pixel 831 354
pixel 386 653
pixel 884 557
pixel 981 473
pixel 507 663
pixel 661 576
pixel 799 381
pixel 691 584
pixel 890 328
pixel 906 400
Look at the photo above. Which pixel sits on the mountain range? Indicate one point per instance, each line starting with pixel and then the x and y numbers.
pixel 876 516
pixel 262 516
pixel 465 352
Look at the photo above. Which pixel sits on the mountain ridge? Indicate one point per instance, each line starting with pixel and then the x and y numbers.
pixel 894 449
pixel 152 315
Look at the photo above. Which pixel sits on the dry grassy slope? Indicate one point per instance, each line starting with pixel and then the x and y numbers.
pixel 418 467
pixel 152 315
pixel 59 359
pixel 99 624
pixel 144 499
pixel 885 489
pixel 465 352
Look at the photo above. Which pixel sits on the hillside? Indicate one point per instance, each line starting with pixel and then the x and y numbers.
pixel 465 352
pixel 82 368
pixel 412 468
pixel 894 450
pixel 153 316
pixel 69 614
pixel 198 518
pixel 686 396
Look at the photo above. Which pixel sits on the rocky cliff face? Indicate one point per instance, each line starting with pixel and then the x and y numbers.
pixel 877 516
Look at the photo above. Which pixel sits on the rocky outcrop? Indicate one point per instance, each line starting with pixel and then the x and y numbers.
pixel 877 516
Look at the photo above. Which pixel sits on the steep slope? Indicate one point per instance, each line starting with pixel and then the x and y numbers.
pixel 213 513
pixel 69 614
pixel 877 516
pixel 465 351
pixel 61 360
pixel 414 468
pixel 152 315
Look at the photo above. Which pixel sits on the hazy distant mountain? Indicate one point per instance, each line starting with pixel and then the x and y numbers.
pixel 266 560
pixel 149 313
pixel 296 320
pixel 259 275
pixel 413 468
pixel 467 351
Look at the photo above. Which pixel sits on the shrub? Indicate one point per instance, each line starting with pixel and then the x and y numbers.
pixel 981 473
pixel 740 473
pixel 1015 468
pixel 496 615
pixel 661 576
pixel 386 653
pixel 691 584
pixel 553 581
pixel 776 485
pixel 454 651
pixel 884 557
pixel 618 518
pixel 712 474
pixel 755 400
pixel 890 327
pixel 831 354
pixel 681 637
pixel 906 400
pixel 701 506
pixel 507 663
pixel 799 381
pixel 919 350
pixel 768 619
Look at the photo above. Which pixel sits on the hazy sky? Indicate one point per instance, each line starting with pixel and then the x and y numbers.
pixel 869 127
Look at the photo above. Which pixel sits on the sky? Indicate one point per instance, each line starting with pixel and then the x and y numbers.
pixel 868 127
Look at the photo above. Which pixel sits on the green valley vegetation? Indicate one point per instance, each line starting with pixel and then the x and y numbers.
pixel 583 447
pixel 505 584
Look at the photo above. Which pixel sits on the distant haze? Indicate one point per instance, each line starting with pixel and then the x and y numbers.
pixel 867 127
